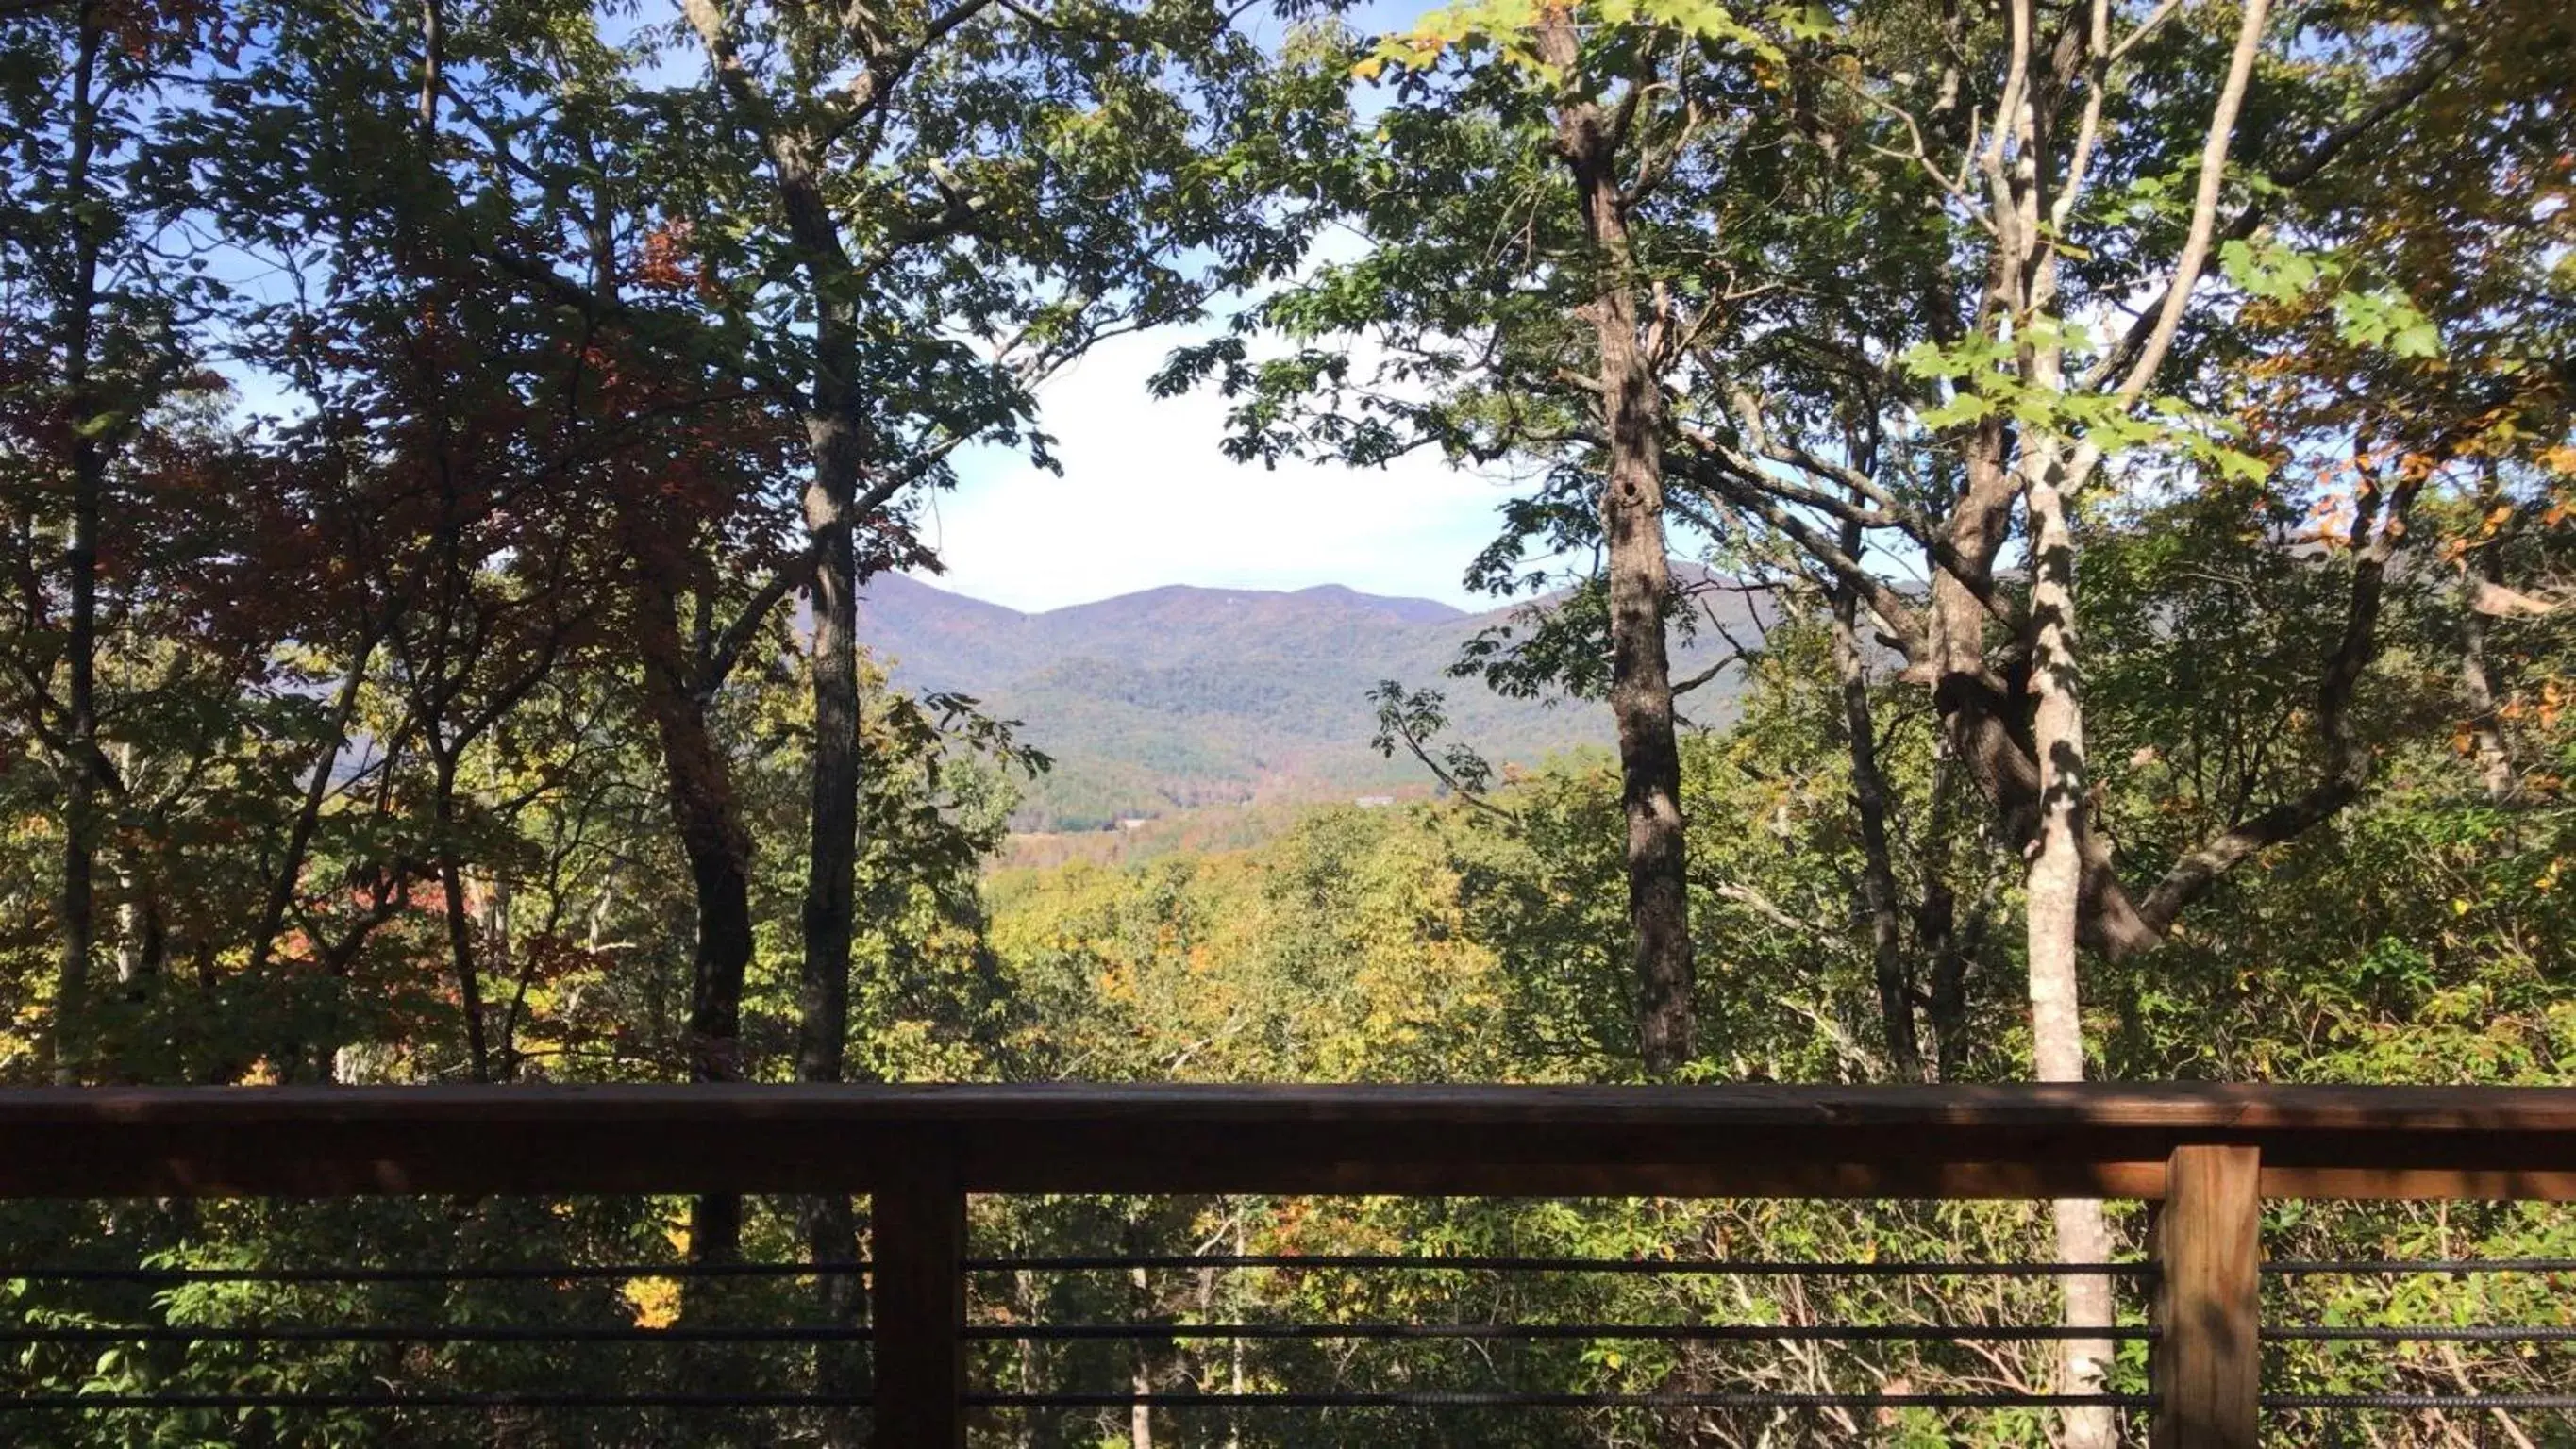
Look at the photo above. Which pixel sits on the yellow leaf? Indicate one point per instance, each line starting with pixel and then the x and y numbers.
pixel 656 1301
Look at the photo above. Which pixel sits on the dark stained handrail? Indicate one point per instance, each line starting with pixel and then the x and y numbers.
pixel 2109 1140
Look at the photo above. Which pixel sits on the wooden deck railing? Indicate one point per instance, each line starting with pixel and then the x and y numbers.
pixel 2205 1155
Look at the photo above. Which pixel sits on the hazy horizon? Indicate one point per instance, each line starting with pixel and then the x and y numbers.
pixel 946 584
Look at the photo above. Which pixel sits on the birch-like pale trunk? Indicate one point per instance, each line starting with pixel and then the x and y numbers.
pixel 2052 469
pixel 2053 890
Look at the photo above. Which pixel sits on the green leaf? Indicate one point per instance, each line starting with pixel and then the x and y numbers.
pixel 2419 338
pixel 2272 272
pixel 2238 466
pixel 1964 407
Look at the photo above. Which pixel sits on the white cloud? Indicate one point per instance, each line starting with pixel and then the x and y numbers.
pixel 1148 498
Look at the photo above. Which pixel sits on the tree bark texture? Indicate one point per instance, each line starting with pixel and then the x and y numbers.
pixel 1888 961
pixel 1632 526
pixel 460 925
pixel 698 783
pixel 832 869
pixel 2053 889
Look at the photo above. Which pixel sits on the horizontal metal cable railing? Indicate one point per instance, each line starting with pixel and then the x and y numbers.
pixel 2304 1372
pixel 29 1299
pixel 1459 1396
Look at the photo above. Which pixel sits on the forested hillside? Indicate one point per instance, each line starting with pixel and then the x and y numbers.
pixel 466 465
pixel 2425 938
pixel 1183 697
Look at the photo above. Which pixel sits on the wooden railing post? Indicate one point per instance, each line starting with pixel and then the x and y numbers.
pixel 918 1281
pixel 2208 1364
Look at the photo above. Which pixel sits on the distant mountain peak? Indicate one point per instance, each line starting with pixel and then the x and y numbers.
pixel 909 588
pixel 1186 694
pixel 1412 610
pixel 905 591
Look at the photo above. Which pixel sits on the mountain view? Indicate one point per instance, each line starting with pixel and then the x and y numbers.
pixel 1179 697
pixel 497 952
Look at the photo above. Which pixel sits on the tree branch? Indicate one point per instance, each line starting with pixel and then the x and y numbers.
pixel 2204 205
pixel 1713 476
pixel 724 651
pixel 2348 758
pixel 2286 178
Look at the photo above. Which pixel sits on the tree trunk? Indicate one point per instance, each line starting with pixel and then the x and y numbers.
pixel 1140 1366
pixel 831 1229
pixel 142 925
pixel 834 434
pixel 308 815
pixel 832 869
pixel 1878 868
pixel 2084 1236
pixel 1038 1428
pixel 1947 945
pixel 460 925
pixel 698 782
pixel 719 855
pixel 492 931
pixel 2054 895
pixel 1632 525
pixel 1950 953
pixel 823 1025
pixel 2054 879
pixel 2477 686
pixel 1641 700
pixel 2486 729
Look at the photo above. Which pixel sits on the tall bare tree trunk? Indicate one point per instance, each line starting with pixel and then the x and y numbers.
pixel 823 1026
pixel 2054 891
pixel 2486 728
pixel 698 784
pixel 719 856
pixel 1870 803
pixel 460 925
pixel 1140 1364
pixel 837 445
pixel 142 929
pixel 823 1018
pixel 836 439
pixel 1632 524
pixel 1948 946
pixel 831 874
pixel 2063 851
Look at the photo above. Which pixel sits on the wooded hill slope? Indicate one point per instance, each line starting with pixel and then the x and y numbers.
pixel 1180 696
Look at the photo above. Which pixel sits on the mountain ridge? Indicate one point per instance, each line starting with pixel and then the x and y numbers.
pixel 1185 695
